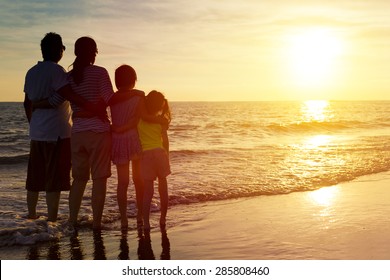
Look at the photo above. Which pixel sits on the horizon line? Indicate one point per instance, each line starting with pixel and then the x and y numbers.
pixel 279 100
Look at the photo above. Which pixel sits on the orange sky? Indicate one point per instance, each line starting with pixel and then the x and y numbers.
pixel 213 50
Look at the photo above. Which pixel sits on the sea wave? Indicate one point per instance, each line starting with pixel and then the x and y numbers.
pixel 316 126
pixel 17 230
pixel 13 159
pixel 264 190
pixel 22 231
pixel 219 152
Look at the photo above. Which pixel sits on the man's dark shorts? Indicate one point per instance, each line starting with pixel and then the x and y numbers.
pixel 49 166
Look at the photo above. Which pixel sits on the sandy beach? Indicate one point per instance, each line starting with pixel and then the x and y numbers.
pixel 346 221
pixel 349 221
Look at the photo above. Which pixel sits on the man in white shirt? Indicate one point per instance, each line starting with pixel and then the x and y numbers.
pixel 50 129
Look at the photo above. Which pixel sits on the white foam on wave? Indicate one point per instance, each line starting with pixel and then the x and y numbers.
pixel 21 231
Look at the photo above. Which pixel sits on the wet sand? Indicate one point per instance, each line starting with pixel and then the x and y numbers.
pixel 349 221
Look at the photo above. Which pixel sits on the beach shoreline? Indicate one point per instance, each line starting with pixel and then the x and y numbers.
pixel 348 221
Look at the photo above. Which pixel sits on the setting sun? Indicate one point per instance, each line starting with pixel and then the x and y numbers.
pixel 313 57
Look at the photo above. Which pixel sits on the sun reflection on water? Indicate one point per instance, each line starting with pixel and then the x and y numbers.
pixel 314 149
pixel 316 110
pixel 324 196
pixel 324 202
pixel 317 141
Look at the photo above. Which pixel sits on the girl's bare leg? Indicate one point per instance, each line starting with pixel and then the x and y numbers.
pixel 123 184
pixel 139 189
pixel 163 190
pixel 148 195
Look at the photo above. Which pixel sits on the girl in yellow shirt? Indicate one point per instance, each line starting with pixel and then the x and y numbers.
pixel 155 158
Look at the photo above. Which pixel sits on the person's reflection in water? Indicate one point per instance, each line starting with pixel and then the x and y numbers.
pixel 100 251
pixel 33 252
pixel 53 253
pixel 76 252
pixel 166 245
pixel 123 247
pixel 145 251
pixel 54 250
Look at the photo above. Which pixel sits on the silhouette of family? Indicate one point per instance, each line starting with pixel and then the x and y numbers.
pixel 71 132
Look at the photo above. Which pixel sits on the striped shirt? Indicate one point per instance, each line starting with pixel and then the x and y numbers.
pixel 126 145
pixel 96 85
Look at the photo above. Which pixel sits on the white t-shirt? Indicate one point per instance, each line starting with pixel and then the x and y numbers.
pixel 42 81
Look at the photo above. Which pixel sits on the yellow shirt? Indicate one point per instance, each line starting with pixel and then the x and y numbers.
pixel 150 135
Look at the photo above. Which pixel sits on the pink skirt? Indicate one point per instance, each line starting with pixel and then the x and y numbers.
pixel 125 146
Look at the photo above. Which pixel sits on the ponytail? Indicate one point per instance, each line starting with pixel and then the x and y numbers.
pixel 85 50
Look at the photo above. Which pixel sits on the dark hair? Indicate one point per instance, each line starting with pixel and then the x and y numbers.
pixel 125 76
pixel 155 101
pixel 52 47
pixel 85 50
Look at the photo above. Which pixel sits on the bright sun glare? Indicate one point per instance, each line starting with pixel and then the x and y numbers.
pixel 324 196
pixel 313 56
pixel 316 110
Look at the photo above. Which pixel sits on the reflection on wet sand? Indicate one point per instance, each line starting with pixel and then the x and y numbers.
pixel 166 246
pixel 33 253
pixel 53 252
pixel 78 249
pixel 145 250
pixel 99 252
pixel 124 251
pixel 76 252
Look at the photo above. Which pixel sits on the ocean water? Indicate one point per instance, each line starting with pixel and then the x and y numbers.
pixel 219 151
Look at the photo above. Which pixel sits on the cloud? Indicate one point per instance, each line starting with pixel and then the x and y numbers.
pixel 27 14
pixel 180 38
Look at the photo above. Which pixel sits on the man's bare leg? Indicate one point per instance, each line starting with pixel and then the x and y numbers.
pixel 52 201
pixel 32 201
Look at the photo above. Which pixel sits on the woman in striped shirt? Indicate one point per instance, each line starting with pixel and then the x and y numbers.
pixel 91 138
